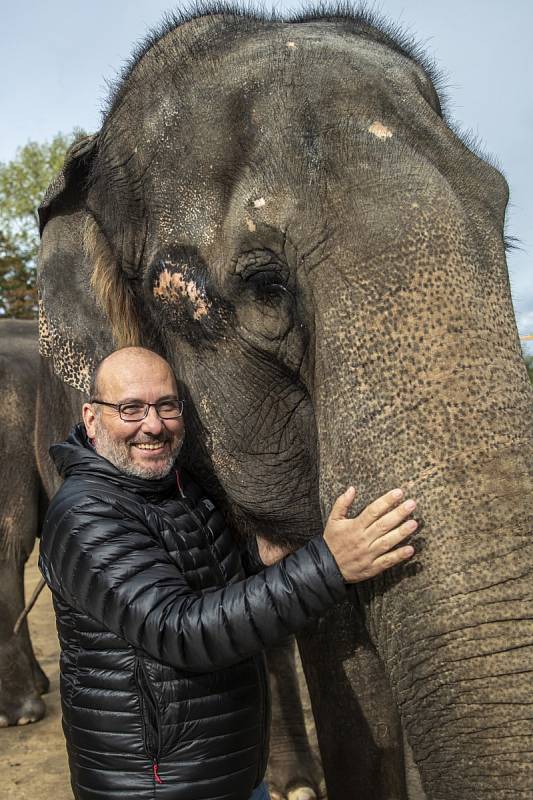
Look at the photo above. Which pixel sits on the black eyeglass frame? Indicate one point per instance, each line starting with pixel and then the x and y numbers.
pixel 147 407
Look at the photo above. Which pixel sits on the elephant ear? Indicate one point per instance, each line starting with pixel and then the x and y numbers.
pixel 87 305
pixel 67 184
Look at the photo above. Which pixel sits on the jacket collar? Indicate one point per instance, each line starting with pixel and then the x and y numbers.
pixel 77 457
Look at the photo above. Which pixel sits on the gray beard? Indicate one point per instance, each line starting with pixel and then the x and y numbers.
pixel 118 453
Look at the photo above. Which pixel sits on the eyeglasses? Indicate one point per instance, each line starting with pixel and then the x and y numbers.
pixel 135 412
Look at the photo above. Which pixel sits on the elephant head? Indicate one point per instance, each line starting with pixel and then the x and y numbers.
pixel 284 212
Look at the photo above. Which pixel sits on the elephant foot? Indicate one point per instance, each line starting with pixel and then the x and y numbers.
pixel 295 776
pixel 20 701
pixel 289 780
pixel 297 790
pixel 301 792
pixel 31 710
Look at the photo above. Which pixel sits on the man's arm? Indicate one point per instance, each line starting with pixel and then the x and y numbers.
pixel 108 566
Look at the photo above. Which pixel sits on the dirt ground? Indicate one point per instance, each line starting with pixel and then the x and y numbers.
pixel 33 761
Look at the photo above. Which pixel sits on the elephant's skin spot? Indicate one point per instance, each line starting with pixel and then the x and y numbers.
pixel 69 359
pixel 172 286
pixel 381 131
pixel 250 224
pixel 260 202
pixel 45 337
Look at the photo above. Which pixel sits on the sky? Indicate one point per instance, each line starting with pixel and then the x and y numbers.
pixel 57 58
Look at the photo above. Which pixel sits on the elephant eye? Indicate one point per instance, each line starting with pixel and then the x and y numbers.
pixel 262 270
pixel 265 279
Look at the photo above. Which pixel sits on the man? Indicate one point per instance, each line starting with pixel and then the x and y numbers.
pixel 163 684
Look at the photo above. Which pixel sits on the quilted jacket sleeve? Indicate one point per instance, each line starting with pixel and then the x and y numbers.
pixel 112 569
pixel 250 558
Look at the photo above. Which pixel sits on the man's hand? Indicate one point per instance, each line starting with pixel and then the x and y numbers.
pixel 362 547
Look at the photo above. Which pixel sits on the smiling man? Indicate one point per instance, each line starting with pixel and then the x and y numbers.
pixel 148 444
pixel 163 685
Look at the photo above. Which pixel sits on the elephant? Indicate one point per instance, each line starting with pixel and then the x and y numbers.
pixel 280 207
pixel 22 681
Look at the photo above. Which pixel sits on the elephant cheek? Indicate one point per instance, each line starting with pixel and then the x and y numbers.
pixel 272 329
pixel 262 321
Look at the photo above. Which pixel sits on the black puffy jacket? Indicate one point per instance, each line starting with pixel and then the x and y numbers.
pixel 163 685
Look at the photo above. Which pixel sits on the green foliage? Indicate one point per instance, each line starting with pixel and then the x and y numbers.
pixel 17 282
pixel 23 182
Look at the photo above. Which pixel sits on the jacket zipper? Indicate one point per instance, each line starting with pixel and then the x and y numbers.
pixel 150 717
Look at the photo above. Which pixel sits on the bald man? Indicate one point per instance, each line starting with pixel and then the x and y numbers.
pixel 163 684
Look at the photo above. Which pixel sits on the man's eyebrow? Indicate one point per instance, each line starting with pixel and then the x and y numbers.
pixel 138 399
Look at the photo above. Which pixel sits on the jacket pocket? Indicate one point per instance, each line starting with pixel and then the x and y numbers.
pixel 150 713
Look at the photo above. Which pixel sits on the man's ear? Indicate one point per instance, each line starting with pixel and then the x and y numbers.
pixel 87 306
pixel 89 418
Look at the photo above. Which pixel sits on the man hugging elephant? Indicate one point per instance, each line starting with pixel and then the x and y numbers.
pixel 163 683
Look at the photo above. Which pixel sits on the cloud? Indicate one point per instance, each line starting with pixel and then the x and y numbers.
pixel 524 321
pixel 524 318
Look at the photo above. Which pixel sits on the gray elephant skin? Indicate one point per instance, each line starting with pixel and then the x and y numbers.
pixel 281 209
pixel 22 503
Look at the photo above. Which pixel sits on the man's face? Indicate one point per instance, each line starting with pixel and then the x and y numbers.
pixel 146 449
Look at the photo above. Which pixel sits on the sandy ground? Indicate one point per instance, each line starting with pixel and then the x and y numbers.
pixel 33 761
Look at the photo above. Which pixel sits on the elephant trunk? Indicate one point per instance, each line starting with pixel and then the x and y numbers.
pixel 426 389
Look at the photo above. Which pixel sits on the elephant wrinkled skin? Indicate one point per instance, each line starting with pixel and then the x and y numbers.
pixel 282 210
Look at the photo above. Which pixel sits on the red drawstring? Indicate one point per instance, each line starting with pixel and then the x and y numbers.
pixel 156 774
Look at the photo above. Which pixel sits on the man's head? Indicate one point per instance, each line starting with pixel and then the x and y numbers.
pixel 145 448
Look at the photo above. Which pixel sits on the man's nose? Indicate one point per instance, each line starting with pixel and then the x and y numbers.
pixel 152 423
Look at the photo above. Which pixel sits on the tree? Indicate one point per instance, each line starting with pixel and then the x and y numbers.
pixel 23 182
pixel 17 282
